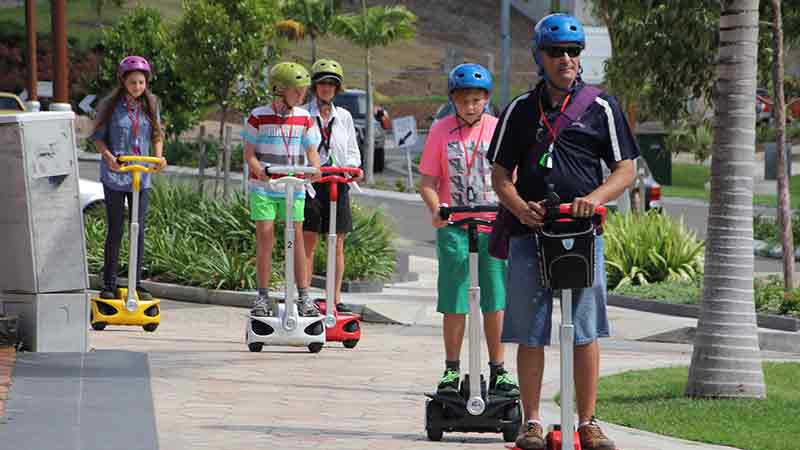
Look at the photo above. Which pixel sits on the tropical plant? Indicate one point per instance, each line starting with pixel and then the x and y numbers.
pixel 316 16
pixel 692 137
pixel 649 248
pixel 726 361
pixel 378 26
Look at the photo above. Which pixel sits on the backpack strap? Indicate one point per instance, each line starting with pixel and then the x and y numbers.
pixel 580 102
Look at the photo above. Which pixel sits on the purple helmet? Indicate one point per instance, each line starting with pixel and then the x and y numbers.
pixel 131 63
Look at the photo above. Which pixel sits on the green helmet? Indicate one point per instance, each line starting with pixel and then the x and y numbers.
pixel 288 75
pixel 327 68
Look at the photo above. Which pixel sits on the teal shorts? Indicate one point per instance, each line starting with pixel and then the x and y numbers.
pixel 452 249
pixel 264 207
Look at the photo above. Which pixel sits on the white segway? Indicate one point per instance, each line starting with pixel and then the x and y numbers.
pixel 284 326
pixel 472 409
pixel 566 247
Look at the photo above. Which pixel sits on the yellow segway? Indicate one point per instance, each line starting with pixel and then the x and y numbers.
pixel 127 308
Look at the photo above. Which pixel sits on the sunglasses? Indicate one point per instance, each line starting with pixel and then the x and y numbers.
pixel 558 52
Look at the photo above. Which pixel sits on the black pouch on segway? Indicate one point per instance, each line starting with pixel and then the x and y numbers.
pixel 566 253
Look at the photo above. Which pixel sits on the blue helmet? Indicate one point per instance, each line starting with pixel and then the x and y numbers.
pixel 469 76
pixel 557 29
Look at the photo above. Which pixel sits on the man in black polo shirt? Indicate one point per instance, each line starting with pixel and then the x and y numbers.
pixel 527 141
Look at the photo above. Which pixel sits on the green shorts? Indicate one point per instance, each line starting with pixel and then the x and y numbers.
pixel 452 249
pixel 264 207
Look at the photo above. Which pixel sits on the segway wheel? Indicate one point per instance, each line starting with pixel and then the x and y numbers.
pixel 315 347
pixel 350 343
pixel 150 327
pixel 99 326
pixel 255 347
pixel 513 417
pixel 433 420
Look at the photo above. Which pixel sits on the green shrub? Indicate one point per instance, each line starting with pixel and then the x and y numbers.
pixel 765 228
pixel 691 136
pixel 368 252
pixel 187 154
pixel 205 242
pixel 649 248
pixel 768 294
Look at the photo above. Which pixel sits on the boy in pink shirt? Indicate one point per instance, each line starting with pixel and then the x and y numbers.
pixel 455 171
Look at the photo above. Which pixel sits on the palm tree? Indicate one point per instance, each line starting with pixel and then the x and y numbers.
pixel 317 17
pixel 726 361
pixel 378 26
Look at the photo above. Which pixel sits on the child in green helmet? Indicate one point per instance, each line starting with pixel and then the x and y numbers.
pixel 280 134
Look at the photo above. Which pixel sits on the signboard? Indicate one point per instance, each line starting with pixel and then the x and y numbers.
pixel 405 131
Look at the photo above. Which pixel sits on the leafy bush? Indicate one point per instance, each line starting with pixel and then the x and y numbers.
pixel 649 248
pixel 205 242
pixel 765 228
pixel 693 137
pixel 768 294
pixel 368 251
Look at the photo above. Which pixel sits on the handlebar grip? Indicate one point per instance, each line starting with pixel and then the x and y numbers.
pixel 290 170
pixel 341 170
pixel 446 211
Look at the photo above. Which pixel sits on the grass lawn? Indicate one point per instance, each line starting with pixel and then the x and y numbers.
pixel 688 181
pixel 653 400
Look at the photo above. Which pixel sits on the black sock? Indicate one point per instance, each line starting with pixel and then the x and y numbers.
pixel 453 365
pixel 493 368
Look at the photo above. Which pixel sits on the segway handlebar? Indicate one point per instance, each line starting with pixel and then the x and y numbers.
pixel 563 212
pixel 335 174
pixel 293 171
pixel 446 211
pixel 138 167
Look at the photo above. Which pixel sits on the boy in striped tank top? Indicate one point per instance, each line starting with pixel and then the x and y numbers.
pixel 280 134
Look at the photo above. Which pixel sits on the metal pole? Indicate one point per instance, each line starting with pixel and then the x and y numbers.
pixel 505 36
pixel 567 341
pixel 60 64
pixel 30 27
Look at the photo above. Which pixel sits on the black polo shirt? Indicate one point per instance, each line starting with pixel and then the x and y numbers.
pixel 601 132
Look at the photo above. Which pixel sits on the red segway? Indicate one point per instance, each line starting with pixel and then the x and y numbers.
pixel 566 253
pixel 341 327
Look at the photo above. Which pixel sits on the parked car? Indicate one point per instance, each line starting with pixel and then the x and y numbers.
pixel 91 193
pixel 652 188
pixel 10 104
pixel 355 101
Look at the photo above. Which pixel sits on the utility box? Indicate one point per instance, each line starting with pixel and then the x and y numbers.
pixel 41 228
pixel 50 322
pixel 771 160
pixel 43 272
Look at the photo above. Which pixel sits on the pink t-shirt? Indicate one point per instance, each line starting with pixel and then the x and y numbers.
pixel 457 156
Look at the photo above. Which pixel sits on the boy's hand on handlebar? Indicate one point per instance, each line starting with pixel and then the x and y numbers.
pixel 436 220
pixel 315 176
pixel 358 176
pixel 583 207
pixel 533 214
pixel 112 162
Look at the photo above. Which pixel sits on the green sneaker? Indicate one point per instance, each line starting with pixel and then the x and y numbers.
pixel 503 385
pixel 449 382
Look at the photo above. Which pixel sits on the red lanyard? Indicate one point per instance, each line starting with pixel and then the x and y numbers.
pixel 471 161
pixel 135 124
pixel 546 122
pixel 287 145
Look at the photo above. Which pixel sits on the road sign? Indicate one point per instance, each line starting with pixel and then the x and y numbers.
pixel 405 131
pixel 86 103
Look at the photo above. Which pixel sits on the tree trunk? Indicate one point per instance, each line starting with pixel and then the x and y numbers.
pixel 726 361
pixel 784 209
pixel 313 47
pixel 370 131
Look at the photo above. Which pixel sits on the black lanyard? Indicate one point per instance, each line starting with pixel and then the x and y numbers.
pixel 327 134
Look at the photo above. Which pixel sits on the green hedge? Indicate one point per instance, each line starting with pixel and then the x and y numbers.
pixel 197 241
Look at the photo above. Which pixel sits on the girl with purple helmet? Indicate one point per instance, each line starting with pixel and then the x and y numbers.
pixel 127 123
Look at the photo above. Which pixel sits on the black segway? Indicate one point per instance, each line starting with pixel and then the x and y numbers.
pixel 472 409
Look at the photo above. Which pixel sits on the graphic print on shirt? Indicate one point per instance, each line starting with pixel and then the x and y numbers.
pixel 474 182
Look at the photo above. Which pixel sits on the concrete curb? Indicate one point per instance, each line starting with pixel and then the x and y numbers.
pixel 771 321
pixel 775 341
pixel 223 297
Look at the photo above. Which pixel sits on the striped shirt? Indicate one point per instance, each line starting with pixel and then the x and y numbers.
pixel 279 141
